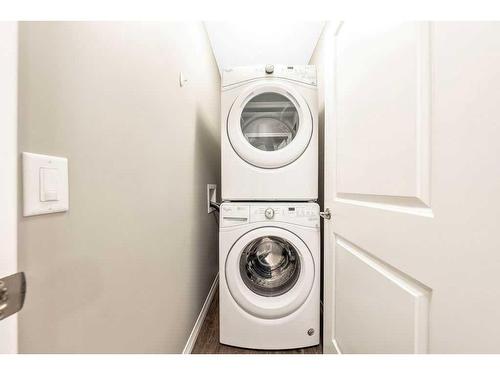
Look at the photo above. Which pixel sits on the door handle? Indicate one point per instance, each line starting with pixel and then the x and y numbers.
pixel 327 215
pixel 12 294
pixel 3 298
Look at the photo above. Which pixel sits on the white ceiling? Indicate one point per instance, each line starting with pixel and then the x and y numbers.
pixel 263 42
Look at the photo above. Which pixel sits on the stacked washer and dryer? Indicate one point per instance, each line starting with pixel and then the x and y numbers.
pixel 269 258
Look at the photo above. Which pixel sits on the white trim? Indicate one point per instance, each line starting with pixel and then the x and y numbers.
pixel 336 346
pixel 329 81
pixel 188 348
pixel 8 172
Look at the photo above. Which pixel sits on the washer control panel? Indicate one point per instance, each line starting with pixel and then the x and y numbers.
pixel 234 214
pixel 306 214
pixel 269 213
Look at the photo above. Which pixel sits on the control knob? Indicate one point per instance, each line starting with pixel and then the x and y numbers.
pixel 269 213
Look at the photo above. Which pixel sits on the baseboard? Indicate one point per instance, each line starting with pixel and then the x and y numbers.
pixel 188 348
pixel 336 346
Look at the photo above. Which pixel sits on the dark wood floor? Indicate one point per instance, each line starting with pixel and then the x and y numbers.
pixel 208 339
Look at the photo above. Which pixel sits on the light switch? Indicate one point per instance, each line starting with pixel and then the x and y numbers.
pixel 48 184
pixel 45 184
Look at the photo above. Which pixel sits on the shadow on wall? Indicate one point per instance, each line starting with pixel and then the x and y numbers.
pixel 206 170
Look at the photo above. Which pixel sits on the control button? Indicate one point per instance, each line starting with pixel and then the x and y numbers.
pixel 269 69
pixel 269 213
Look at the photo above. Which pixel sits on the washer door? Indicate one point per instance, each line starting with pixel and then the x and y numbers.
pixel 269 272
pixel 269 125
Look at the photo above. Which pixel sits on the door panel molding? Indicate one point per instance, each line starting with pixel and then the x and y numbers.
pixel 409 205
pixel 357 176
pixel 379 307
pixel 423 125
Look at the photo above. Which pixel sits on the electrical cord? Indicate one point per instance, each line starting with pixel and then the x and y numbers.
pixel 216 211
pixel 215 205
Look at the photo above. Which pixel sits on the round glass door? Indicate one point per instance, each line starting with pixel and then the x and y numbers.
pixel 270 125
pixel 270 266
pixel 269 272
pixel 269 121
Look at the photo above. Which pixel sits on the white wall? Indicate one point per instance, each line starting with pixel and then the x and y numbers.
pixel 128 268
pixel 8 171
pixel 256 42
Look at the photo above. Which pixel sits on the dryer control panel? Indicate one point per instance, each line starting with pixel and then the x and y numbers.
pixel 305 214
pixel 300 73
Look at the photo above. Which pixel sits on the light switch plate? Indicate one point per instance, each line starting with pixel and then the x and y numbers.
pixel 45 184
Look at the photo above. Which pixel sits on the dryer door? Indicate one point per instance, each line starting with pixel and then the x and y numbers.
pixel 270 125
pixel 270 272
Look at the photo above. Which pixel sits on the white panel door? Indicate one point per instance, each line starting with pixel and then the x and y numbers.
pixel 412 177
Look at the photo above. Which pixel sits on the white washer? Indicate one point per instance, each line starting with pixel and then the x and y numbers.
pixel 269 139
pixel 269 269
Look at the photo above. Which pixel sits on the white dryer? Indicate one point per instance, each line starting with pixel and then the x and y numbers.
pixel 269 270
pixel 269 139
